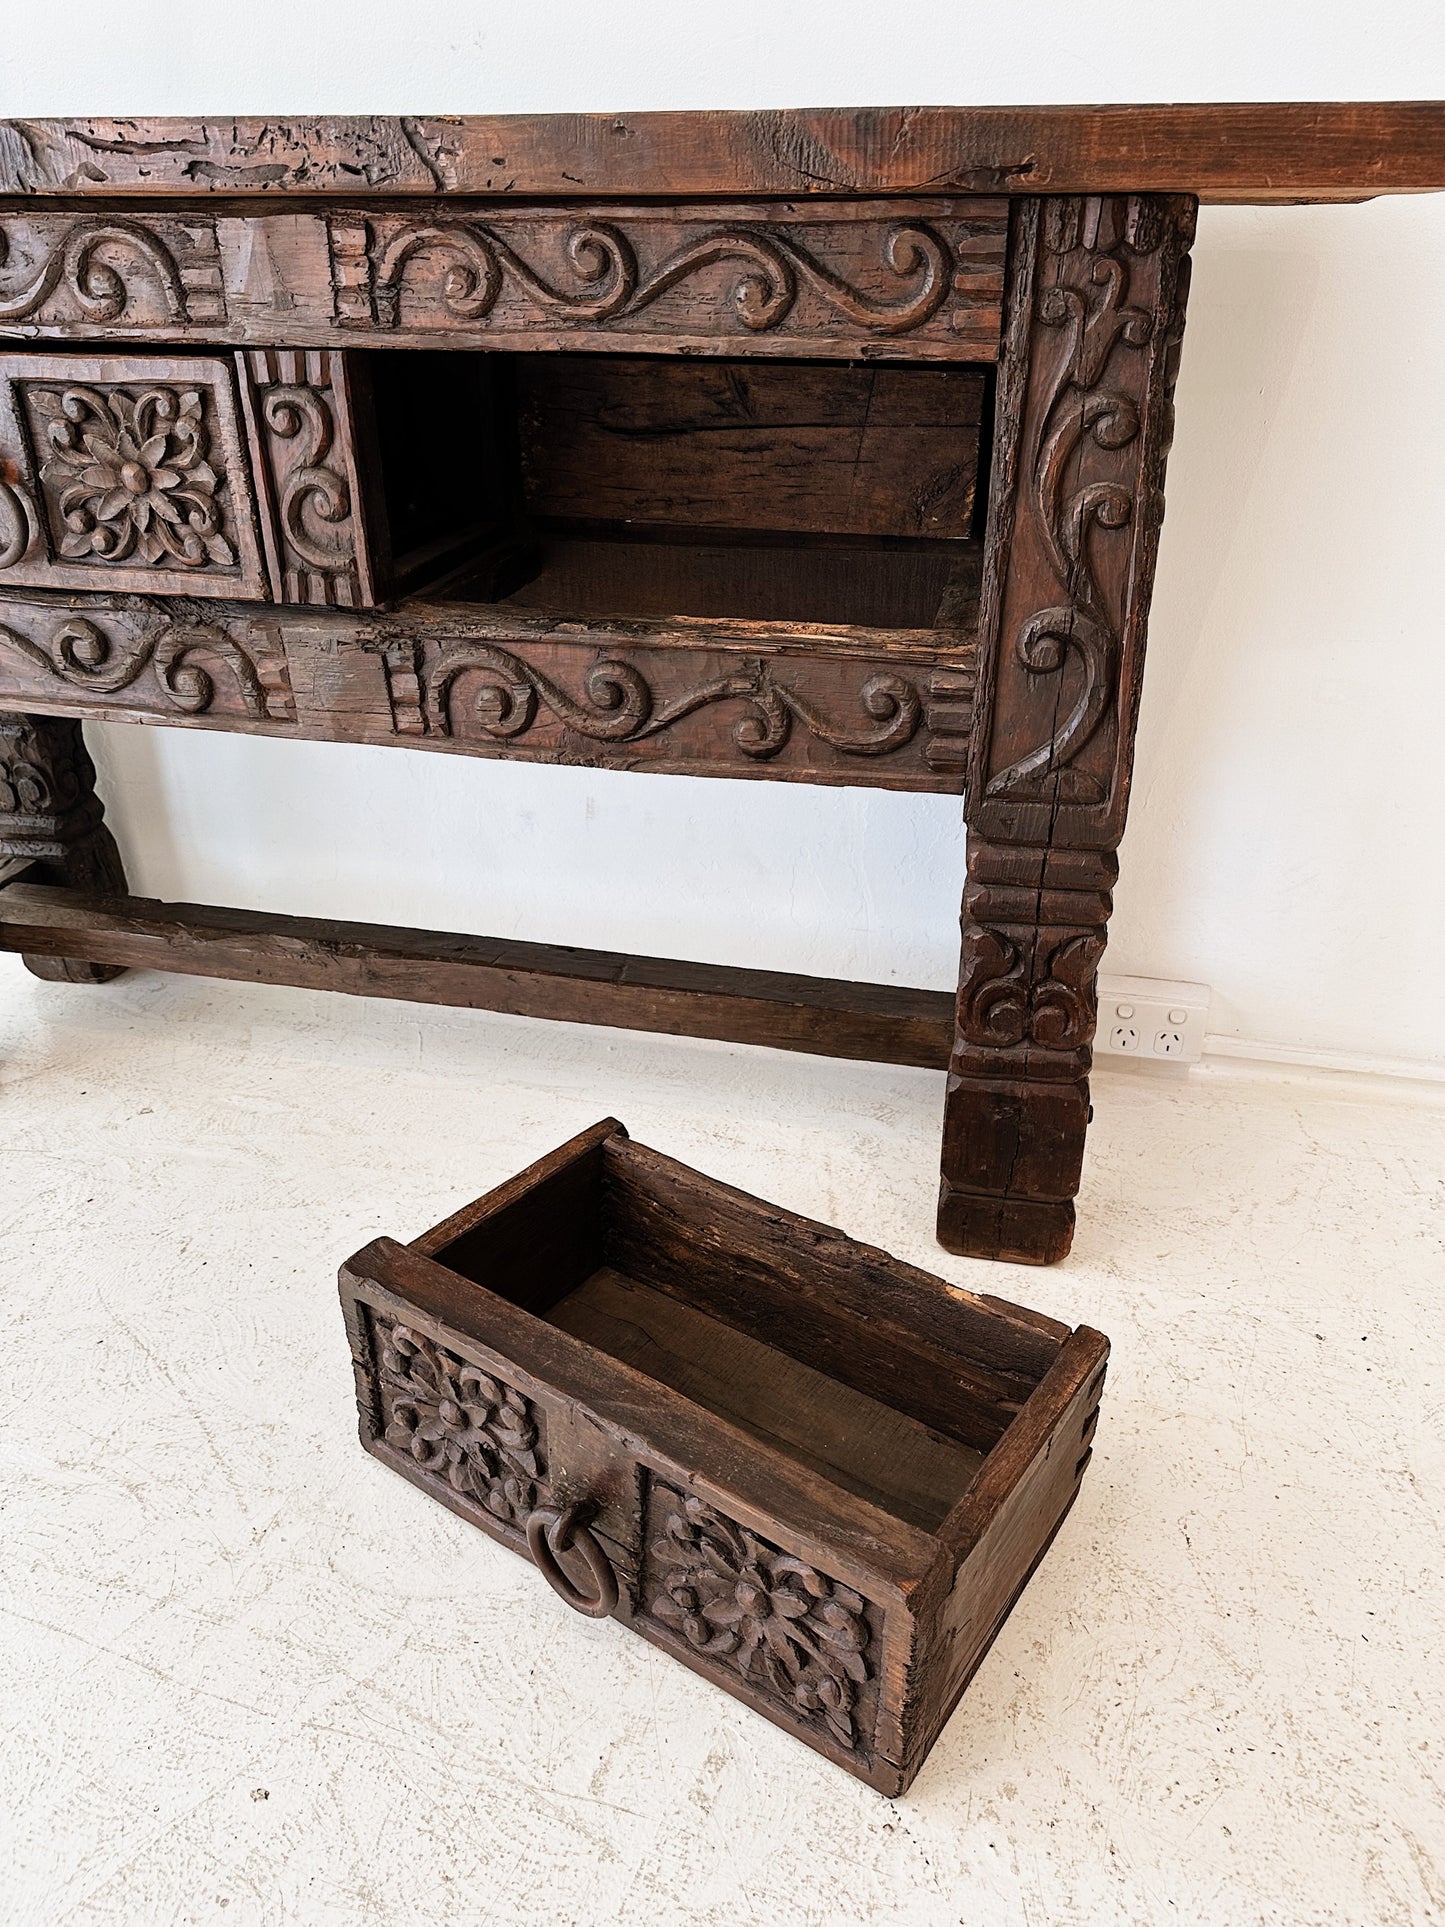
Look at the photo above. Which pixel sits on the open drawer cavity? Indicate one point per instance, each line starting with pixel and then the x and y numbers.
pixel 578 485
pixel 815 1475
pixel 763 491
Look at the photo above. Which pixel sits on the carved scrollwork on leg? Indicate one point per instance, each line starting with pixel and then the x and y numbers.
pixel 50 814
pixel 1104 294
pixel 1034 929
pixel 1001 1006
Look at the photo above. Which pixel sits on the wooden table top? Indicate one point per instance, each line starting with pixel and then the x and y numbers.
pixel 1247 152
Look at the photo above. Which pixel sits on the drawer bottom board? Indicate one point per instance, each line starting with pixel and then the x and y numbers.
pixel 866 1447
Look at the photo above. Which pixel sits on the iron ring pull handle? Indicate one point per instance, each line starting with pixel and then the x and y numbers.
pixel 550 1532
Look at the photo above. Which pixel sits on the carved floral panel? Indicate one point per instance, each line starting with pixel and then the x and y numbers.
pixel 125 473
pixel 460 1427
pixel 800 1640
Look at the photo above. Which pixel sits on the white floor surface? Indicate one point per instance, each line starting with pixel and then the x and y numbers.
pixel 249 1675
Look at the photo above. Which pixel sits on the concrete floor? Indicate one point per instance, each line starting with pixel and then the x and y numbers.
pixel 248 1675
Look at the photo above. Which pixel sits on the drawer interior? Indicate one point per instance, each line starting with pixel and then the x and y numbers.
pixel 646 486
pixel 882 1380
pixel 855 1441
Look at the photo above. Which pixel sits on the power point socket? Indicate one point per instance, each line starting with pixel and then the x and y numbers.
pixel 1152 1019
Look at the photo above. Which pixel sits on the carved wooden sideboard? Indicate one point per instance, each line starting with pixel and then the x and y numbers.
pixel 823 447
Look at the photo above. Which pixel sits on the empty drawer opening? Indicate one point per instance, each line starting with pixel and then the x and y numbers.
pixel 647 486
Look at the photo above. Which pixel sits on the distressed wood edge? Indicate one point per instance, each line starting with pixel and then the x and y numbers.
pixel 1038 1338
pixel 1229 151
pixel 1082 1357
pixel 281 646
pixel 502 1196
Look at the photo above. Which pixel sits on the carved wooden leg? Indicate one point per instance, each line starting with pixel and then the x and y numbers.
pixel 1034 925
pixel 49 812
pixel 1096 298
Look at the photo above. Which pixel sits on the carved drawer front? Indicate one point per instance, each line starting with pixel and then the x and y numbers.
pixel 126 472
pixel 814 1476
pixel 255 476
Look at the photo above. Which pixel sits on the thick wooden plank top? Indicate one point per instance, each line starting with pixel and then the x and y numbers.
pixel 1286 151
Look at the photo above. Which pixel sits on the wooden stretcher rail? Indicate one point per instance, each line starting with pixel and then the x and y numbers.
pixel 878 1023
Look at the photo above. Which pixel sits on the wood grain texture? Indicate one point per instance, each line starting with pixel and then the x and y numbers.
pixel 881 1023
pixel 883 451
pixel 1084 422
pixel 889 709
pixel 834 1558
pixel 859 1443
pixel 1245 151
pixel 913 279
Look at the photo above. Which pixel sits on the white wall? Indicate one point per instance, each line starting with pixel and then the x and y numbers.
pixel 1286 837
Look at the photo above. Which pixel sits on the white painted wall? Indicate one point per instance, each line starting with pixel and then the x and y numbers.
pixel 1286 841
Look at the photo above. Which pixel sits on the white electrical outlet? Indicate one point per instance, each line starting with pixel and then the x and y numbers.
pixel 1149 1017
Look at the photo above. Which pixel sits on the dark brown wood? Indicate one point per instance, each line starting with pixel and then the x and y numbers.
pixel 810 583
pixel 915 280
pixel 1246 151
pixel 859 1443
pixel 300 412
pixel 52 828
pixel 690 1459
pixel 885 451
pixel 126 473
pixel 799 702
pixel 152 474
pixel 1085 419
pixel 881 1023
pixel 704 506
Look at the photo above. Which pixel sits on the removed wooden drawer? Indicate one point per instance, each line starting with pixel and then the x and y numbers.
pixel 815 1475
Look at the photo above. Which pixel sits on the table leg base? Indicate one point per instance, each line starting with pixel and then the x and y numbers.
pixel 1019 1231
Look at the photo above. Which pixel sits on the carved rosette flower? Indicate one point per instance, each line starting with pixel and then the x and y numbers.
pixel 131 475
pixel 733 1597
pixel 460 1424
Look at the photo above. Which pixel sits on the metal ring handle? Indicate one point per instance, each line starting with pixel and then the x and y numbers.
pixel 550 1532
